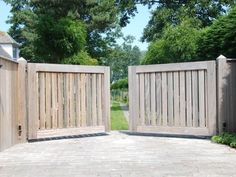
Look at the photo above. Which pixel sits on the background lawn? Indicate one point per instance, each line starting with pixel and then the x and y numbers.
pixel 118 121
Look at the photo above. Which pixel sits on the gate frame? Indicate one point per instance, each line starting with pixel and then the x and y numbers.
pixel 32 85
pixel 209 66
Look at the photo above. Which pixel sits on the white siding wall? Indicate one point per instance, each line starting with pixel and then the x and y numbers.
pixel 9 49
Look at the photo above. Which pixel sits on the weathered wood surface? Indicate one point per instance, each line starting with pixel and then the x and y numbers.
pixel 74 98
pixel 226 94
pixel 12 103
pixel 174 98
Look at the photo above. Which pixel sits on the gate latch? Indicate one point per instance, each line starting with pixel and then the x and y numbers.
pixel 19 130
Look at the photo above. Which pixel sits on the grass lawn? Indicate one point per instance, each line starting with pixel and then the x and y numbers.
pixel 118 121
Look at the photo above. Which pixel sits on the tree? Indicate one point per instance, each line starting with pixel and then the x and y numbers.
pixel 172 12
pixel 59 39
pixel 100 19
pixel 177 44
pixel 219 38
pixel 120 57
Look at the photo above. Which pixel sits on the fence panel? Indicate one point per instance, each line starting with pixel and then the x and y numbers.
pixel 12 103
pixel 173 98
pixel 226 95
pixel 67 100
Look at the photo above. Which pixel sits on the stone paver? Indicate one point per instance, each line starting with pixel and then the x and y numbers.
pixel 119 155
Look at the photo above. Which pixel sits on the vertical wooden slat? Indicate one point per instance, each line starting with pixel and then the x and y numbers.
pixel 158 99
pixel 99 99
pixel 195 98
pixel 132 98
pixel 4 104
pixel 176 100
pixel 234 97
pixel 7 121
pixel 153 99
pixel 147 99
pixel 88 99
pixel 137 77
pixel 54 100
pixel 94 100
pixel 164 98
pixel 42 100
pixel 141 97
pixel 60 100
pixel 170 94
pixel 231 97
pixel 32 102
pixel 78 100
pixel 211 81
pixel 206 97
pixel 22 95
pixel 182 99
pixel 201 84
pixel 189 98
pixel 72 101
pixel 67 100
pixel 48 101
pixel 83 100
pixel 107 98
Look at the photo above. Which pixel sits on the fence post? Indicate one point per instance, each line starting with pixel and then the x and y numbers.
pixel 107 98
pixel 221 84
pixel 22 106
pixel 132 99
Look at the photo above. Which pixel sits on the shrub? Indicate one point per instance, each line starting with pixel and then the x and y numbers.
pixel 225 138
pixel 120 84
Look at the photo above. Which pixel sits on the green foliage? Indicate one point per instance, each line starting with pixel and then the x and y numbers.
pixel 225 138
pixel 59 39
pixel 120 57
pixel 177 44
pixel 118 120
pixel 172 12
pixel 82 58
pixel 51 31
pixel 219 38
pixel 120 95
pixel 120 84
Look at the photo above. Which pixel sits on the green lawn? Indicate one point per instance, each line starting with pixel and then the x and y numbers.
pixel 118 121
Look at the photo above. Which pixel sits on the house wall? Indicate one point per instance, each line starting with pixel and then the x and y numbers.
pixel 8 48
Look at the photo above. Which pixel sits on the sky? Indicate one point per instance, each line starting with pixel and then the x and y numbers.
pixel 134 28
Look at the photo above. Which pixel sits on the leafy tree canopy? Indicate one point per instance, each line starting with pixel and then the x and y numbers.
pixel 219 38
pixel 122 56
pixel 172 12
pixel 177 44
pixel 53 24
pixel 120 84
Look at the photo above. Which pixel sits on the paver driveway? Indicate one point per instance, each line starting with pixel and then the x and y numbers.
pixel 119 155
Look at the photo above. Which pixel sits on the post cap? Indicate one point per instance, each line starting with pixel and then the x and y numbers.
pixel 221 57
pixel 21 60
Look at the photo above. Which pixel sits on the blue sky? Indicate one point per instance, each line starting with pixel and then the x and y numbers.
pixel 134 28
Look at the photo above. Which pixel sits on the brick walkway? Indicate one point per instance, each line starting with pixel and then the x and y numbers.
pixel 119 155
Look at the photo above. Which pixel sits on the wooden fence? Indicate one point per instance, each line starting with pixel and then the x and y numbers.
pixel 63 99
pixel 226 97
pixel 45 100
pixel 12 115
pixel 175 98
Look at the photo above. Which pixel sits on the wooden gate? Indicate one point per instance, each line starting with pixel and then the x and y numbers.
pixel 67 100
pixel 175 98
